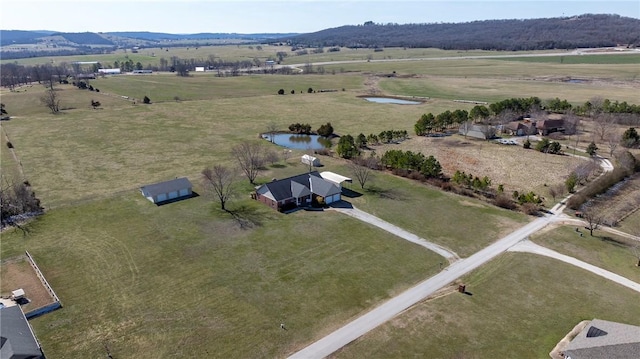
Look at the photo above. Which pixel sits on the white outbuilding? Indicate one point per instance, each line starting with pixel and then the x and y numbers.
pixel 310 160
pixel 178 188
pixel 335 178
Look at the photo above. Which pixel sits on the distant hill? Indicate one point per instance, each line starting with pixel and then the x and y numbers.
pixel 161 36
pixel 18 44
pixel 536 34
pixel 84 38
pixel 9 37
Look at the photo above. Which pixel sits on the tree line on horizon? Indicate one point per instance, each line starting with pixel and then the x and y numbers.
pixel 583 31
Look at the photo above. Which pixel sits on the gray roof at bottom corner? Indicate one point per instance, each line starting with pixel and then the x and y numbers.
pixel 604 339
pixel 166 187
pixel 16 340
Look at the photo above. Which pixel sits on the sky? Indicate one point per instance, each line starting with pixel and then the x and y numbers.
pixel 278 16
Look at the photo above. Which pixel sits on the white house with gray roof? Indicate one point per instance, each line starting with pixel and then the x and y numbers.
pixel 297 191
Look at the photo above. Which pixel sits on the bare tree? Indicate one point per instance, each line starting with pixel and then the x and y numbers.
pixel 250 157
pixel 51 100
pixel 571 123
pixel 603 124
pixel 362 169
pixel 596 106
pixel 286 153
pixel 613 140
pixel 219 181
pixel 272 129
pixel 271 156
pixel 16 198
pixel 488 130
pixel 592 217
pixel 466 127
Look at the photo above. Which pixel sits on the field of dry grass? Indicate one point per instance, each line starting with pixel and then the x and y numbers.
pixel 512 166
pixel 17 273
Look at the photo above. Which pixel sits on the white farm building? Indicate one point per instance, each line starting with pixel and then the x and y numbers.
pixel 167 191
pixel 310 160
pixel 109 71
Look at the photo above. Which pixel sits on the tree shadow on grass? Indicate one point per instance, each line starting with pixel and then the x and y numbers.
pixel 350 193
pixel 385 193
pixel 613 241
pixel 247 217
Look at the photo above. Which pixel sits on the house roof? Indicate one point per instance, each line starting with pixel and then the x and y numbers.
pixel 285 188
pixel 322 187
pixel 605 339
pixel 17 339
pixel 551 123
pixel 299 190
pixel 299 186
pixel 166 187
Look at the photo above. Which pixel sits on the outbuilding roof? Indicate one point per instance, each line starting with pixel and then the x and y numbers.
pixel 334 177
pixel 166 187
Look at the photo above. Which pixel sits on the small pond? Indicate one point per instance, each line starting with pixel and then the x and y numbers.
pixel 299 142
pixel 391 100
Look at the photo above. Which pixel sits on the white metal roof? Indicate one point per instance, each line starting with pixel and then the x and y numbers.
pixel 334 177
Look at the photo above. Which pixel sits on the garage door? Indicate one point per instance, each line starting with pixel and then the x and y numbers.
pixel 173 194
pixel 336 197
pixel 162 197
pixel 184 192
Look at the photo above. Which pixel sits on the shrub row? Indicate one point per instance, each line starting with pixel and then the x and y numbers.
pixel 602 184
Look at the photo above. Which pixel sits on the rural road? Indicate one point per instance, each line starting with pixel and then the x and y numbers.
pixel 422 290
pixel 371 219
pixel 448 58
pixel 530 247
pixel 516 241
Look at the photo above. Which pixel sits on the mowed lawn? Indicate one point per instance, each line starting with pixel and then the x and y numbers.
pixel 521 306
pixel 462 224
pixel 604 250
pixel 185 280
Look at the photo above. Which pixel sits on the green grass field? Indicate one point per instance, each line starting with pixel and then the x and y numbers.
pixel 603 250
pixel 631 58
pixel 521 306
pixel 183 280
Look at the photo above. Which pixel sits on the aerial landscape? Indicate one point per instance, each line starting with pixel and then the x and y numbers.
pixel 320 179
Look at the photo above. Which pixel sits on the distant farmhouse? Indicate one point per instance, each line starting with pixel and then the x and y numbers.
pixel 553 123
pixel 179 188
pixel 301 190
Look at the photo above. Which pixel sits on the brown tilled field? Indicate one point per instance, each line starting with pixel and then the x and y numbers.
pixel 513 166
pixel 18 273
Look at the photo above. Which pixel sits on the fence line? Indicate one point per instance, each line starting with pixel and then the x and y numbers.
pixel 47 308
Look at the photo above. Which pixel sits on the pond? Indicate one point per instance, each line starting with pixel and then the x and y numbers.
pixel 391 100
pixel 299 142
